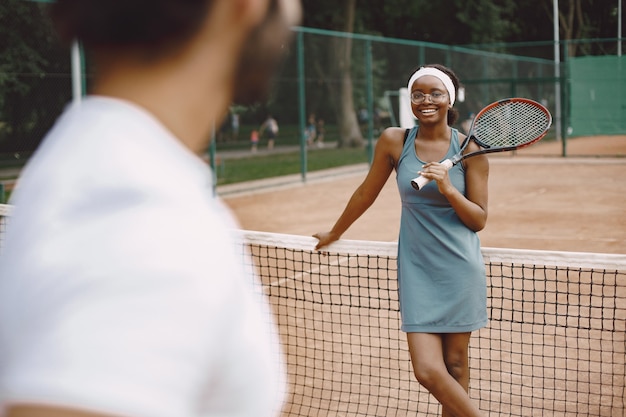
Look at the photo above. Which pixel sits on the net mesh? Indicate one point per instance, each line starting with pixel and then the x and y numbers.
pixel 555 344
pixel 511 123
pixel 5 210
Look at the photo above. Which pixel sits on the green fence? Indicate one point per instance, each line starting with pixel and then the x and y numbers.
pixel 351 82
pixel 597 95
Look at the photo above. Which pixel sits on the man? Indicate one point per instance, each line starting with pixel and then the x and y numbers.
pixel 120 292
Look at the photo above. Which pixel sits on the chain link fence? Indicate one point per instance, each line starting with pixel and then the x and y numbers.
pixel 344 86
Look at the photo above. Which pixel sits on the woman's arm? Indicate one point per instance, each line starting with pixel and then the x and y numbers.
pixel 472 208
pixel 387 151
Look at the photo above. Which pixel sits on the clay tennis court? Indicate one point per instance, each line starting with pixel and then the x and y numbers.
pixel 553 338
pixel 537 200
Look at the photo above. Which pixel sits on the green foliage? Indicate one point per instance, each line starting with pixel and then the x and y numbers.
pixel 35 80
pixel 461 22
pixel 486 21
pixel 34 75
pixel 449 22
pixel 21 35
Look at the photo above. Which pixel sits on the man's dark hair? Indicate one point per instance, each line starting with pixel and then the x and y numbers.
pixel 150 24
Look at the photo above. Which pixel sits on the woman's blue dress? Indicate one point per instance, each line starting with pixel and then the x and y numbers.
pixel 441 273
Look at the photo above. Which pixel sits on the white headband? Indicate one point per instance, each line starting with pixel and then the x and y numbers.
pixel 445 79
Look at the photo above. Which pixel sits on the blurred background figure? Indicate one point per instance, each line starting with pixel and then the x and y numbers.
pixel 311 130
pixel 270 129
pixel 321 129
pixel 254 140
pixel 234 126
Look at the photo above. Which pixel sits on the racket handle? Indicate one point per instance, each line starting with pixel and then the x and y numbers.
pixel 419 182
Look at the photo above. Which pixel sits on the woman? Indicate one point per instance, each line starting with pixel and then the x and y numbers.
pixel 442 284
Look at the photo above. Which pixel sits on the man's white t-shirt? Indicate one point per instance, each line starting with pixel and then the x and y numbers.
pixel 121 291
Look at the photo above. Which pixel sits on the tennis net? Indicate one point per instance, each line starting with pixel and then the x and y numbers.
pixel 555 344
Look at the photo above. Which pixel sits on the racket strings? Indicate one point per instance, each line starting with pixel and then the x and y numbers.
pixel 511 124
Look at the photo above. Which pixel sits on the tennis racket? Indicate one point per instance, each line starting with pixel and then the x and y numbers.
pixel 505 125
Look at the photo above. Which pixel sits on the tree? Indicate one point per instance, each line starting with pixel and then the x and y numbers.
pixel 337 75
pixel 32 89
pixel 476 21
pixel 582 19
pixel 485 21
pixel 341 65
pixel 455 22
pixel 35 79
pixel 578 19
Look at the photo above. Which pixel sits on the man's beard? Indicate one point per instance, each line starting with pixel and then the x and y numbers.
pixel 262 54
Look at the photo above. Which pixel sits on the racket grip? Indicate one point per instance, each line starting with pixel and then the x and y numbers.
pixel 419 182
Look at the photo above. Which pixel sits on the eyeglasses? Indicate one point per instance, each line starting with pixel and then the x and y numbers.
pixel 436 97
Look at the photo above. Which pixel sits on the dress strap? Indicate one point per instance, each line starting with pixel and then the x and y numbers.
pixel 455 146
pixel 407 144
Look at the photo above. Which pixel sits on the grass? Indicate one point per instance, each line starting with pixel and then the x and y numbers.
pixel 273 165
pixel 267 166
pixel 260 166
